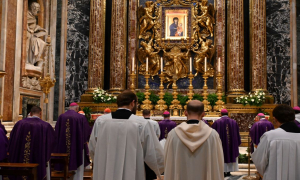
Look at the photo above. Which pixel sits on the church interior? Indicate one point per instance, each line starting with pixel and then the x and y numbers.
pixel 238 55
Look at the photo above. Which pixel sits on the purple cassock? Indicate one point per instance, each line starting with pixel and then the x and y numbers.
pixel 297 123
pixel 72 132
pixel 32 141
pixel 166 126
pixel 3 145
pixel 259 128
pixel 3 128
pixel 229 134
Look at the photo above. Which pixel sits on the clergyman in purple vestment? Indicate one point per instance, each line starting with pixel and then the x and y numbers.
pixel 259 128
pixel 229 133
pixel 297 115
pixel 166 125
pixel 72 131
pixel 32 141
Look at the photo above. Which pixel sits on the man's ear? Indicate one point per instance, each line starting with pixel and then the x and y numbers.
pixel 185 113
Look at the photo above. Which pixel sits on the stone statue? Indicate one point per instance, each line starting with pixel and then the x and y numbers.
pixel 206 50
pixel 175 67
pixel 145 51
pixel 206 19
pixel 35 45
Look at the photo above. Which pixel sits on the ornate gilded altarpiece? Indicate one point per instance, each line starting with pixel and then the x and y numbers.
pixel 176 30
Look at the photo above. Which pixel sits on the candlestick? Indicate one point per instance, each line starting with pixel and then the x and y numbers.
pixel 207 107
pixel 219 104
pixel 147 104
pixel 147 64
pixel 132 65
pixel 219 65
pixel 161 65
pixel 190 93
pixel 176 106
pixel 161 104
pixel 205 64
pixel 190 64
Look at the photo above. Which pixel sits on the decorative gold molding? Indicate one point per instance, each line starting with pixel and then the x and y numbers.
pixel 118 53
pixel 258 45
pixel 235 54
pixel 97 44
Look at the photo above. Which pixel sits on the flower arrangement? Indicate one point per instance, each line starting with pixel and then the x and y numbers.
pixel 253 99
pixel 101 96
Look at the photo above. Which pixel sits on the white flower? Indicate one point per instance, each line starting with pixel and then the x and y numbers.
pixel 101 97
pixel 252 100
pixel 115 97
pixel 264 98
pixel 264 93
pixel 246 97
pixel 238 101
pixel 242 96
pixel 246 102
pixel 258 96
pixel 110 95
pixel 251 95
pixel 108 99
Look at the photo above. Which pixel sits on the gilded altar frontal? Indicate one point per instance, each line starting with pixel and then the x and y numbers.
pixel 186 65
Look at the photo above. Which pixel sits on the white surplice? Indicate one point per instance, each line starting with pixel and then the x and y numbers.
pixel 277 156
pixel 193 152
pixel 155 126
pixel 119 148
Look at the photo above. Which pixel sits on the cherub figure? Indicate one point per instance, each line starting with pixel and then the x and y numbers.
pixel 206 19
pixel 145 18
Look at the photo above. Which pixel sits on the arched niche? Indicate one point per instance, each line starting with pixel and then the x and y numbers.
pixel 41 15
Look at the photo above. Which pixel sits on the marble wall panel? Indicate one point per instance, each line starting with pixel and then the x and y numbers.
pixel 57 60
pixel 77 49
pixel 10 60
pixel 298 48
pixel 244 120
pixel 278 50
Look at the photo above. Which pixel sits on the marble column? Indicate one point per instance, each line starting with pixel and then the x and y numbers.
pixel 258 45
pixel 97 44
pixel 235 52
pixel 220 36
pixel 132 37
pixel 118 46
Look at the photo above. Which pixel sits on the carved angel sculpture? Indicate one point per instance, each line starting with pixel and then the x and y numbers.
pixel 206 19
pixel 145 18
pixel 175 67
pixel 145 51
pixel 206 50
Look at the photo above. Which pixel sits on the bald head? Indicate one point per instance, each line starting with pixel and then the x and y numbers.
pixel 195 107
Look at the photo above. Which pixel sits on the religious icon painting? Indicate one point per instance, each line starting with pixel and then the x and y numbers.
pixel 176 24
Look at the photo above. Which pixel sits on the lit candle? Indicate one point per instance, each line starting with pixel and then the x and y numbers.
pixel 147 64
pixel 132 64
pixel 190 64
pixel 205 64
pixel 219 65
pixel 161 65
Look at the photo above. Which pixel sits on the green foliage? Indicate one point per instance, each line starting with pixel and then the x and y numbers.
pixel 224 98
pixel 154 98
pixel 198 97
pixel 168 97
pixel 260 110
pixel 212 99
pixel 183 99
pixel 87 113
pixel 243 158
pixel 140 96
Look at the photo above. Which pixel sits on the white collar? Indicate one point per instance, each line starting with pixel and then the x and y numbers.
pixel 34 117
pixel 124 108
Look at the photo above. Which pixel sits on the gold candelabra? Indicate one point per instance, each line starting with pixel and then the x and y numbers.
pixel 147 104
pixel 207 107
pixel 133 77
pixel 161 104
pixel 176 106
pixel 46 83
pixel 219 104
pixel 190 93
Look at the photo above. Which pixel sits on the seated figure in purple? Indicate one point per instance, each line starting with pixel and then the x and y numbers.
pixel 72 131
pixel 32 141
pixel 259 128
pixel 297 115
pixel 229 133
pixel 166 125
